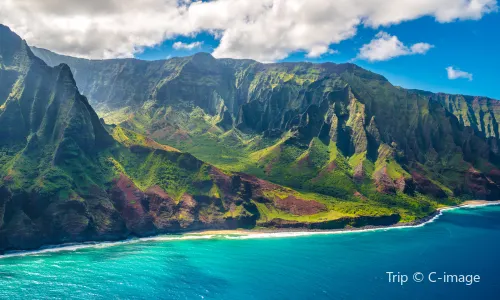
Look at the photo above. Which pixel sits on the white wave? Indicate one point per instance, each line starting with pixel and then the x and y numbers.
pixel 251 235
pixel 98 245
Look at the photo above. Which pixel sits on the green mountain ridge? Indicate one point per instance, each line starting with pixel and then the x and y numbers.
pixel 480 113
pixel 65 176
pixel 471 110
pixel 335 129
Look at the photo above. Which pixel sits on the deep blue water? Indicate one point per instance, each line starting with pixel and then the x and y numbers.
pixel 336 266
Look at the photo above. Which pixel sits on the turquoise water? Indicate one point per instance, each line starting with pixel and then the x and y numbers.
pixel 335 266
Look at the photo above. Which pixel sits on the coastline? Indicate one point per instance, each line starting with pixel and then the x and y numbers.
pixel 247 233
pixel 417 223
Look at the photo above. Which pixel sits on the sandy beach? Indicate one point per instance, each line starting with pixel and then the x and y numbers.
pixel 470 203
pixel 225 231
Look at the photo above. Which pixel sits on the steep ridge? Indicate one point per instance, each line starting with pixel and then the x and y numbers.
pixel 49 137
pixel 336 129
pixel 480 113
pixel 67 177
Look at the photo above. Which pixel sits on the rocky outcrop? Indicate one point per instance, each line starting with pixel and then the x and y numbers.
pixel 384 183
pixel 479 113
pixel 480 185
pixel 298 206
pixel 427 187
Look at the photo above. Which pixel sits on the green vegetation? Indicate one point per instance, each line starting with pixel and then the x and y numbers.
pixel 353 132
pixel 259 145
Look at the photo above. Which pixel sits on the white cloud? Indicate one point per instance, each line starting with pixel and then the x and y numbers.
pixel 385 46
pixel 420 48
pixel 191 46
pixel 265 30
pixel 320 50
pixel 456 73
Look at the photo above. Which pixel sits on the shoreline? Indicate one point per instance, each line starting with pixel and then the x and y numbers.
pixel 247 233
pixel 416 223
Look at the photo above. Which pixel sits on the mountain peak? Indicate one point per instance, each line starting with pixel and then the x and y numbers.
pixel 65 71
pixel 41 100
pixel 203 55
pixel 6 29
pixel 203 58
pixel 12 44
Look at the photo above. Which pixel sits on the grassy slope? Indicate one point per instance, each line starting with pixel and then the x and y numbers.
pixel 307 171
pixel 146 172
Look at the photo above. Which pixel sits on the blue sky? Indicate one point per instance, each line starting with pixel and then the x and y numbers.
pixel 470 45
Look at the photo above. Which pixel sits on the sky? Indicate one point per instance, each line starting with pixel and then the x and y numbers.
pixel 437 45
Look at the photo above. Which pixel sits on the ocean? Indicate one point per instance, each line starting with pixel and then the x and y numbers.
pixel 456 256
